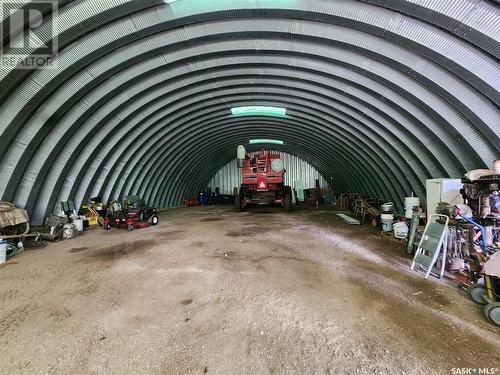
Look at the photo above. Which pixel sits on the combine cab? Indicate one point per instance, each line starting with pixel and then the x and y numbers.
pixel 263 181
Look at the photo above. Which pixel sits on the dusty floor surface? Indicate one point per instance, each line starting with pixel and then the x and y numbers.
pixel 213 291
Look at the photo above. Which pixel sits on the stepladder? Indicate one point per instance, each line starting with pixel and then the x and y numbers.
pixel 434 242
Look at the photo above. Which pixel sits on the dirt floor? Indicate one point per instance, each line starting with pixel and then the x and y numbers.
pixel 213 291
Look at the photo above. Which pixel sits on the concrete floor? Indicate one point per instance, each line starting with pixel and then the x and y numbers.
pixel 213 291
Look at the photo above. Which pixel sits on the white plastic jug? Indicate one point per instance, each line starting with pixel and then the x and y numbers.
pixel 3 251
pixel 78 224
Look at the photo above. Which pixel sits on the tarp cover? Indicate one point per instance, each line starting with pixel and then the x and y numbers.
pixel 13 217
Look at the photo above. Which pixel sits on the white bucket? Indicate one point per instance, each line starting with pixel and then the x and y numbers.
pixel 386 221
pixel 78 224
pixel 386 226
pixel 387 217
pixel 3 251
pixel 386 207
pixel 410 204
pixel 409 213
pixel 401 230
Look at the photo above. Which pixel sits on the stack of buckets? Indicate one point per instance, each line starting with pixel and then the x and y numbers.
pixel 387 218
pixel 410 204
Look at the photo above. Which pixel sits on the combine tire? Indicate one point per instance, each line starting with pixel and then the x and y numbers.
pixel 237 204
pixel 287 200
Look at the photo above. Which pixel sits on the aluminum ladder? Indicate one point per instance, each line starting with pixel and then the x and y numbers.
pixel 433 242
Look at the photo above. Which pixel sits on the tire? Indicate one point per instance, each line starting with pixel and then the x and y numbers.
pixel 11 250
pixel 154 220
pixel 478 293
pixel 58 232
pixel 492 313
pixel 69 232
pixel 130 227
pixel 107 226
pixel 237 203
pixel 287 199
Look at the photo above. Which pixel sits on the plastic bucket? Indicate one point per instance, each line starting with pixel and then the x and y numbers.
pixel 387 226
pixel 387 217
pixel 3 251
pixel 386 207
pixel 409 213
pixel 78 223
pixel 411 202
pixel 386 221
pixel 400 230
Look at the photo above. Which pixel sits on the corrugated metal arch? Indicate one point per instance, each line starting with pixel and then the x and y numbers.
pixel 194 108
pixel 481 120
pixel 457 20
pixel 488 132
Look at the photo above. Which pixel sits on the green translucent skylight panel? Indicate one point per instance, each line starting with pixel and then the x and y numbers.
pixel 259 111
pixel 183 8
pixel 266 141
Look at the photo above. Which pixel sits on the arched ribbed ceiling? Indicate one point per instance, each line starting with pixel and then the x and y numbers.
pixel 379 94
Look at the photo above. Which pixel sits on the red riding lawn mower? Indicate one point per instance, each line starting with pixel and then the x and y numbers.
pixel 263 181
pixel 131 214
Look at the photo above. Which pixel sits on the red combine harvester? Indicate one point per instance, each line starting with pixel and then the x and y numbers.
pixel 263 181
